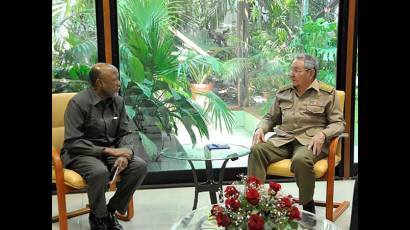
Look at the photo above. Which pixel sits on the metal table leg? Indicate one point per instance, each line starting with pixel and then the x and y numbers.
pixel 195 183
pixel 210 184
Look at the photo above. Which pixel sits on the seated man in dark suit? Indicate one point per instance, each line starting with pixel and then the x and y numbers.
pixel 98 140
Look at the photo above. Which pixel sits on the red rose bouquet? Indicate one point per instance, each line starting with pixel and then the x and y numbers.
pixel 256 208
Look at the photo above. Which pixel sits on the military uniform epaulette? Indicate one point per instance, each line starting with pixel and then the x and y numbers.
pixel 284 88
pixel 325 87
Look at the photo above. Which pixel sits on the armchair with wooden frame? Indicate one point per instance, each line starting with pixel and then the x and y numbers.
pixel 324 170
pixel 67 180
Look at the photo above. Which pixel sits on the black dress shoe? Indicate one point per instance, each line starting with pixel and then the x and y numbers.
pixel 112 221
pixel 310 207
pixel 97 223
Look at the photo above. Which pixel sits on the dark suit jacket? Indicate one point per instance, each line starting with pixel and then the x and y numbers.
pixel 91 124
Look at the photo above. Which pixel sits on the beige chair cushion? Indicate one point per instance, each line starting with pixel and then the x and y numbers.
pixel 282 168
pixel 71 179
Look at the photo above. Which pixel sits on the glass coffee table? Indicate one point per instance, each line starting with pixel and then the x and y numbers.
pixel 198 219
pixel 201 153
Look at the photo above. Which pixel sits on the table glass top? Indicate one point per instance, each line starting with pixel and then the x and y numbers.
pixel 202 153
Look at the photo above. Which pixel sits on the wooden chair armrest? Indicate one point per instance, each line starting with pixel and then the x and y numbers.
pixel 58 165
pixel 334 142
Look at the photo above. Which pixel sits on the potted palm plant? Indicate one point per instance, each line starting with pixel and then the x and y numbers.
pixel 153 88
pixel 199 69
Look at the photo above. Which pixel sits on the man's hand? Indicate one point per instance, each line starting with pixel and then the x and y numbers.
pixel 121 163
pixel 317 143
pixel 258 137
pixel 119 152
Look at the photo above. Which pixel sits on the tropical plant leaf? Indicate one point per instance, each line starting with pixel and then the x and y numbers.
pixel 187 122
pixel 149 146
pixel 136 70
pixel 147 91
pixel 221 115
pixel 196 113
pixel 175 94
pixel 130 111
pixel 125 79
pixel 235 66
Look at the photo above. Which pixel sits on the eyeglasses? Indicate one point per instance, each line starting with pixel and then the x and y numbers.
pixel 297 70
pixel 294 70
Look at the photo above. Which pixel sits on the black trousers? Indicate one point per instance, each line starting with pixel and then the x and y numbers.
pixel 96 172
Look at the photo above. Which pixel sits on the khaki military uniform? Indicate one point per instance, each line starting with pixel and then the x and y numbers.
pixel 295 120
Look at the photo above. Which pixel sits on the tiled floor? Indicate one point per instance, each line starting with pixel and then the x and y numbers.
pixel 158 209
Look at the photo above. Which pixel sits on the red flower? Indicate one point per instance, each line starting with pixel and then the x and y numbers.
pixel 294 213
pixel 255 222
pixel 253 180
pixel 232 204
pixel 223 220
pixel 230 191
pixel 286 202
pixel 253 196
pixel 275 186
pixel 216 209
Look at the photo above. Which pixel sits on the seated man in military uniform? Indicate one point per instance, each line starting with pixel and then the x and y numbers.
pixel 304 117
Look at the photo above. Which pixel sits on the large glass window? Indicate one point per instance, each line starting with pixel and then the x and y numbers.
pixel 198 71
pixel 74 44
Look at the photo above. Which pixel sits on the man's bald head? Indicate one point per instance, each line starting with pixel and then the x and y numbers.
pixel 98 70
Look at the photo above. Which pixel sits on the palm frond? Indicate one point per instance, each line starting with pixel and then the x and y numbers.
pixel 235 66
pixel 149 146
pixel 81 51
pixel 192 113
pixel 221 115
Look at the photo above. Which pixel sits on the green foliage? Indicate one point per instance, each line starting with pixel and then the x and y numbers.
pixel 79 72
pixel 74 32
pixel 155 90
pixel 198 68
pixel 218 111
pixel 286 37
pixel 261 84
pixel 74 43
pixel 275 39
pixel 70 79
pixel 199 14
pixel 318 38
pixel 149 146
pixel 269 52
